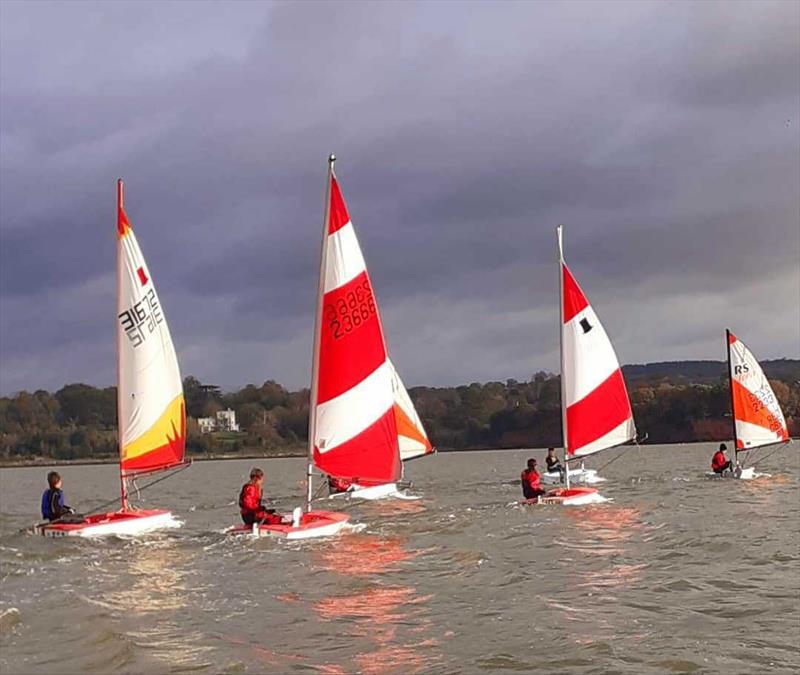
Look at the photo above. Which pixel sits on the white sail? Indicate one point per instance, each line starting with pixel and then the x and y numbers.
pixel 151 412
pixel 410 430
pixel 757 414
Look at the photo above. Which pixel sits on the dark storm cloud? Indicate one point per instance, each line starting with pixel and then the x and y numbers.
pixel 665 136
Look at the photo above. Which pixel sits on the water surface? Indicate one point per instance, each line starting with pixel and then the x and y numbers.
pixel 677 574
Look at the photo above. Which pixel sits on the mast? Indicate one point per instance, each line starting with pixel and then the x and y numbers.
pixel 120 206
pixel 560 239
pixel 730 388
pixel 312 407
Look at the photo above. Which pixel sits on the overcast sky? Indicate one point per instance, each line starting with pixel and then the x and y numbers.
pixel 665 136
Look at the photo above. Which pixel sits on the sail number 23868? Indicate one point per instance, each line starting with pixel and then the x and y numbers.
pixel 351 311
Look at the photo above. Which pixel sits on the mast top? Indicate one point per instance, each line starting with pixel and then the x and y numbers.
pixel 120 192
pixel 560 238
pixel 331 159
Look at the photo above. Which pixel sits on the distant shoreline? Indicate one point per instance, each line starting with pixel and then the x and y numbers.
pixel 282 454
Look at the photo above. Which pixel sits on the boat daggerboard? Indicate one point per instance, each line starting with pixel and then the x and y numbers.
pixel 152 418
pixel 411 434
pixel 354 426
pixel 598 412
pixel 757 414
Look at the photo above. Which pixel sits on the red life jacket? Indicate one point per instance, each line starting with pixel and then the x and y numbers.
pixel 250 498
pixel 339 484
pixel 532 478
pixel 718 460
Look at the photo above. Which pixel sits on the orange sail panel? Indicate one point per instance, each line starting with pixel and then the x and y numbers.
pixel 152 417
pixel 757 414
pixel 597 410
pixel 411 434
pixel 355 429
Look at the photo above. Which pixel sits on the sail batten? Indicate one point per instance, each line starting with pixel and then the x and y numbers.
pixel 151 415
pixel 757 414
pixel 596 410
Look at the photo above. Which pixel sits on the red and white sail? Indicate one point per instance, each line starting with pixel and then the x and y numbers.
pixel 151 415
pixel 756 412
pixel 411 434
pixel 595 408
pixel 354 428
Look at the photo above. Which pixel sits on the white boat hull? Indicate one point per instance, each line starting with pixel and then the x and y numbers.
pixel 374 492
pixel 581 496
pixel 576 476
pixel 745 474
pixel 131 523
pixel 312 525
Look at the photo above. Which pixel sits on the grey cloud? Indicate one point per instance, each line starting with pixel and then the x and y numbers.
pixel 665 136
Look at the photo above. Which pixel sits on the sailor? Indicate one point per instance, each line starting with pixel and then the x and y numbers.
pixel 338 485
pixel 553 464
pixel 53 506
pixel 719 462
pixel 251 502
pixel 531 486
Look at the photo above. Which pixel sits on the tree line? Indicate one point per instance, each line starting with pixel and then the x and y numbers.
pixel 670 403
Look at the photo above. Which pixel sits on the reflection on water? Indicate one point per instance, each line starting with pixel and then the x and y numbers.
pixel 362 555
pixel 391 619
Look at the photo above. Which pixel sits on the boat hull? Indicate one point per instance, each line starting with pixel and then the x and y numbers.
pixel 313 524
pixel 374 492
pixel 578 496
pixel 745 474
pixel 127 523
pixel 579 476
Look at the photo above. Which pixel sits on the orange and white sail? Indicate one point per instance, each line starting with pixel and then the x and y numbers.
pixel 151 415
pixel 596 412
pixel 757 415
pixel 411 434
pixel 353 424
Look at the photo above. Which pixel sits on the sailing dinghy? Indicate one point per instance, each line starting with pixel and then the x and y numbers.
pixel 362 420
pixel 412 441
pixel 756 414
pixel 595 411
pixel 150 406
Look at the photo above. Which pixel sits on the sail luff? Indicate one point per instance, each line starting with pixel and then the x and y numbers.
pixel 562 378
pixel 312 401
pixel 120 206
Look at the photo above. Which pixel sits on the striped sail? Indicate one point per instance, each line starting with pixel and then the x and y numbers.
pixel 596 410
pixel 354 426
pixel 411 434
pixel 152 421
pixel 756 411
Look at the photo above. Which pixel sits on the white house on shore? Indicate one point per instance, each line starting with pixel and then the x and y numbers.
pixel 225 420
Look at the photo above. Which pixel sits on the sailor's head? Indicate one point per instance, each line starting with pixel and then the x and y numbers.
pixel 722 447
pixel 256 475
pixel 54 479
pixel 532 463
pixel 551 451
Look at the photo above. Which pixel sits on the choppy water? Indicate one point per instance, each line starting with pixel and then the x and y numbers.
pixel 677 574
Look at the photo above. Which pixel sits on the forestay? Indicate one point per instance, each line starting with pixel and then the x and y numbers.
pixel 757 414
pixel 598 413
pixel 152 420
pixel 354 425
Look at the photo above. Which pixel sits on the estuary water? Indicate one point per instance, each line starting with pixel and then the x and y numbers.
pixel 677 574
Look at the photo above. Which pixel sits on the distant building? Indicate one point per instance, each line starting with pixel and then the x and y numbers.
pixel 206 424
pixel 225 420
